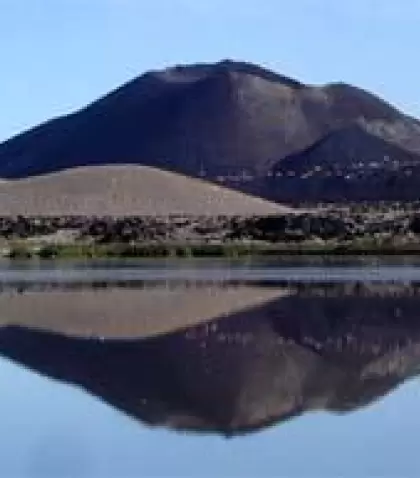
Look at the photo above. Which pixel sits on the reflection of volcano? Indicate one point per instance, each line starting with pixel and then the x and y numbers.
pixel 123 311
pixel 334 348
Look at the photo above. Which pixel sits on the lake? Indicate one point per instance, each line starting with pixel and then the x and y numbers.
pixel 250 368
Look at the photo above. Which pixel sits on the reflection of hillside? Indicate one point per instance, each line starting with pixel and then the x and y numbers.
pixel 323 347
pixel 127 312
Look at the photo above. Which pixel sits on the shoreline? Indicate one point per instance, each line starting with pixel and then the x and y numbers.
pixel 25 250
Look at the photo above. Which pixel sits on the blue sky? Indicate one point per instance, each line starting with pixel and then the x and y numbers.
pixel 58 55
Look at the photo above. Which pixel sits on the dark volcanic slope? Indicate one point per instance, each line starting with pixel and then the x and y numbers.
pixel 348 164
pixel 221 119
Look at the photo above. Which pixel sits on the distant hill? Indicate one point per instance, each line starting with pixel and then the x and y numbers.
pixel 124 190
pixel 229 122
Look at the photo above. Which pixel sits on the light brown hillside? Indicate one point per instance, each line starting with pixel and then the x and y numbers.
pixel 125 190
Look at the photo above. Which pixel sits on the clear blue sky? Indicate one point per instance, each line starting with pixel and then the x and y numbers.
pixel 58 55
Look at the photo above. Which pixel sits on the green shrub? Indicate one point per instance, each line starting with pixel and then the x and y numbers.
pixel 19 252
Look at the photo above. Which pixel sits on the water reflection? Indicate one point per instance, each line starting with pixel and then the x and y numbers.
pixel 229 358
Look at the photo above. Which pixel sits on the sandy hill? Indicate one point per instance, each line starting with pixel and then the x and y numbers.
pixel 225 119
pixel 120 190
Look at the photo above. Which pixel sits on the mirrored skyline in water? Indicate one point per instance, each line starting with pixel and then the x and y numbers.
pixel 252 361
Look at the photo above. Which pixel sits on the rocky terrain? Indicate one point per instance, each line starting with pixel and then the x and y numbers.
pixel 351 228
pixel 240 125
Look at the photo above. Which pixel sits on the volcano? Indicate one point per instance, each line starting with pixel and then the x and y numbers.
pixel 234 123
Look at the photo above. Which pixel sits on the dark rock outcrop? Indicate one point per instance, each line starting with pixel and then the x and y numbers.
pixel 286 228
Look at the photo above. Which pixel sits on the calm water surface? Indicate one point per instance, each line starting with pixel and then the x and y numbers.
pixel 210 368
pixel 290 269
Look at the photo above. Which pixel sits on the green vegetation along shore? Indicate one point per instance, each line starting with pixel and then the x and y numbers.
pixel 321 231
pixel 233 250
